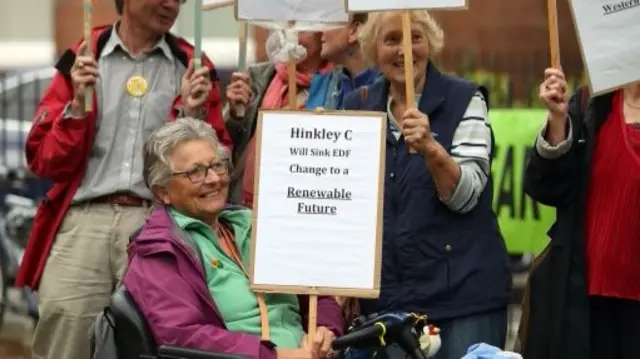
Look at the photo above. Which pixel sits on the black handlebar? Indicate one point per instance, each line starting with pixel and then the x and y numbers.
pixel 382 330
pixel 360 338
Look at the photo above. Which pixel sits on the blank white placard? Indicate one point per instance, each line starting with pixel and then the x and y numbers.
pixel 381 5
pixel 608 33
pixel 329 11
pixel 294 244
pixel 214 4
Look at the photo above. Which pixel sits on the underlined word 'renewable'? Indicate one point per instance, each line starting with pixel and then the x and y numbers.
pixel 335 194
pixel 340 194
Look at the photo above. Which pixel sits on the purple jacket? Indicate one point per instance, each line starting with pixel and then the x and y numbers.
pixel 166 280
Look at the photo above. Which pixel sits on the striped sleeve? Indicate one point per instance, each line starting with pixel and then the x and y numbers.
pixel 471 149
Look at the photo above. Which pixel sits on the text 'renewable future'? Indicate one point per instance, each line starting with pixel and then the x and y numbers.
pixel 318 201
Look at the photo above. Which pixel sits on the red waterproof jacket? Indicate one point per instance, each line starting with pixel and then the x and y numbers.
pixel 59 149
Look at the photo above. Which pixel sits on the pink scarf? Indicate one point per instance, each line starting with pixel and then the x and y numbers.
pixel 275 98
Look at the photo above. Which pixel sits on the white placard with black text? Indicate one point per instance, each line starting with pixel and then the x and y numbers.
pixel 215 4
pixel 608 32
pixel 382 5
pixel 319 200
pixel 319 11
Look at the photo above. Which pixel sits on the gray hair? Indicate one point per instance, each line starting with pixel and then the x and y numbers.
pixel 369 31
pixel 159 147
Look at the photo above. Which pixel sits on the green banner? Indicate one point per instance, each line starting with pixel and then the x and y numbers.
pixel 523 222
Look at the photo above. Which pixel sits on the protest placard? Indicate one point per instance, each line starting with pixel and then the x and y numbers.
pixel 318 203
pixel 286 16
pixel 608 32
pixel 215 4
pixel 384 5
pixel 327 11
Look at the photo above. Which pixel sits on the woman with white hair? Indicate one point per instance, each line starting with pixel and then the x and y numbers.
pixel 187 263
pixel 443 254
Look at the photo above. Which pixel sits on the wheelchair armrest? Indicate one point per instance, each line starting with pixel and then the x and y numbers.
pixel 171 352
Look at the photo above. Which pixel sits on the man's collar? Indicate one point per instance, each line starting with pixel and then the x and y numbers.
pixel 115 41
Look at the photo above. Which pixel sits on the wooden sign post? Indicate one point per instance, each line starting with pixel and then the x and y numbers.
pixel 292 38
pixel 284 15
pixel 554 38
pixel 87 24
pixel 310 237
pixel 243 30
pixel 405 6
pixel 197 34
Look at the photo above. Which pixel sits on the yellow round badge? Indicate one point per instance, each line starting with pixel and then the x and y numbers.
pixel 137 86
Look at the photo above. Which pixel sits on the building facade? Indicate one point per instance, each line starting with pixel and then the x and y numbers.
pixel 502 42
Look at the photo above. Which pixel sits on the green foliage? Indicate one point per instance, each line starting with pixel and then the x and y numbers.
pixel 496 83
pixel 500 85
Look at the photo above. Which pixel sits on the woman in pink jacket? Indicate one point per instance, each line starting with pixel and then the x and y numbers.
pixel 187 263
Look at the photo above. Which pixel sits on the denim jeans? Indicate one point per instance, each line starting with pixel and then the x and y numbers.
pixel 457 335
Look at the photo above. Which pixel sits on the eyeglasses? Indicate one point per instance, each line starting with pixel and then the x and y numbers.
pixel 199 173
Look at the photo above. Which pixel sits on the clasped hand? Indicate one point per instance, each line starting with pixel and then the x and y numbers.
pixel 416 131
pixel 84 74
pixel 317 349
pixel 195 88
pixel 553 94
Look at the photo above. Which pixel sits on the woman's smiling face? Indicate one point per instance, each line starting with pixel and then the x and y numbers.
pixel 200 181
pixel 390 52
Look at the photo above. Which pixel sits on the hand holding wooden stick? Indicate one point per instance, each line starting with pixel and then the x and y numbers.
pixel 88 10
pixel 410 89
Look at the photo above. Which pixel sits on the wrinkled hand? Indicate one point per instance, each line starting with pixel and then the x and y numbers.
pixel 416 131
pixel 84 74
pixel 195 89
pixel 553 93
pixel 321 344
pixel 239 90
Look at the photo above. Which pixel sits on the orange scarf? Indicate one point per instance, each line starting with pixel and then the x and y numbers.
pixel 275 98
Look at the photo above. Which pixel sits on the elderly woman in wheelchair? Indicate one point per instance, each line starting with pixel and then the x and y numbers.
pixel 187 264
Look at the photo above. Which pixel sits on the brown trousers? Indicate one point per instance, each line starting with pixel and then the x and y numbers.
pixel 87 261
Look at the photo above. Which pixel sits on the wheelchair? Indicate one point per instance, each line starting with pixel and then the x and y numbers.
pixel 133 339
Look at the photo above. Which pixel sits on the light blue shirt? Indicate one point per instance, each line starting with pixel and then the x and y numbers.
pixel 486 351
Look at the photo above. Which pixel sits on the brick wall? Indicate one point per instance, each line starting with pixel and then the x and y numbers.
pixel 69 23
pixel 493 35
pixel 505 37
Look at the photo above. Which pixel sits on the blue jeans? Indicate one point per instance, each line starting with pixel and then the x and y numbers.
pixel 457 335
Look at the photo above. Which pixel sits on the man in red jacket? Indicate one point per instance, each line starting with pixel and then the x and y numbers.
pixel 141 76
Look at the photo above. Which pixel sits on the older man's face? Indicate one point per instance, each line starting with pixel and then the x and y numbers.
pixel 155 15
pixel 200 184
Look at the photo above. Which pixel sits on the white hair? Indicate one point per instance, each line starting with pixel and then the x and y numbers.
pixel 157 169
pixel 369 31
